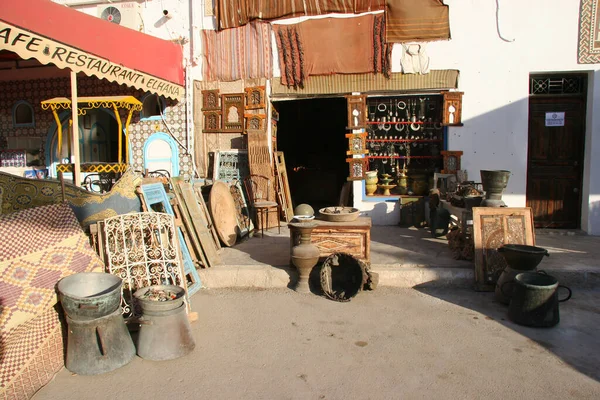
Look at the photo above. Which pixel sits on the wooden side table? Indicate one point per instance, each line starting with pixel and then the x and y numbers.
pixel 346 237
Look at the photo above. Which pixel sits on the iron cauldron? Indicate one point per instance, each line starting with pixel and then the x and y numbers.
pixel 89 295
pixel 523 257
pixel 534 300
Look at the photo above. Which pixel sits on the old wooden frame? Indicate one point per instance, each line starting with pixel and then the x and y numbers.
pixel 357 106
pixel 199 225
pixel 357 168
pixel 283 191
pixel 206 217
pixel 255 97
pixel 210 100
pixel 357 144
pixel 236 159
pixel 233 112
pixel 257 122
pixel 492 228
pixel 452 111
pixel 212 121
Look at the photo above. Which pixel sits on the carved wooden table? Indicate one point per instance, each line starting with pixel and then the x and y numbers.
pixel 341 237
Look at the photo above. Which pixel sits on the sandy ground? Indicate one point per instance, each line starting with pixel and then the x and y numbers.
pixel 443 343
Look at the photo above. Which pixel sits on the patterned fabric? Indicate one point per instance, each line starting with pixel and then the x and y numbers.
pixel 427 21
pixel 240 53
pixel 234 13
pixel 332 46
pixel 40 246
pixel 31 355
pixel 17 193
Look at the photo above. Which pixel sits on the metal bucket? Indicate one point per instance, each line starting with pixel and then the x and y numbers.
pixel 153 306
pixel 534 301
pixel 165 335
pixel 89 295
pixel 99 345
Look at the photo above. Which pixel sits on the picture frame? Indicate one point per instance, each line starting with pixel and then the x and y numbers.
pixel 255 97
pixel 212 121
pixel 492 228
pixel 357 144
pixel 232 112
pixel 357 168
pixel 356 111
pixel 210 100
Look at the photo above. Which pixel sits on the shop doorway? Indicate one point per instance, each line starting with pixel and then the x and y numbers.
pixel 556 149
pixel 311 134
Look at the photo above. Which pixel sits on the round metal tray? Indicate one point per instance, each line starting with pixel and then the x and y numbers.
pixel 339 214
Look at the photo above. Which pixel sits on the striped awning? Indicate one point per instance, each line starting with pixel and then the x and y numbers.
pixel 368 83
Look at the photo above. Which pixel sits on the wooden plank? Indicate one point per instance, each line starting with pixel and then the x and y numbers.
pixel 492 228
pixel 198 223
pixel 280 163
pixel 189 233
pixel 207 218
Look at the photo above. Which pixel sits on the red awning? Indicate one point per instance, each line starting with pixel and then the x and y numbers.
pixel 55 34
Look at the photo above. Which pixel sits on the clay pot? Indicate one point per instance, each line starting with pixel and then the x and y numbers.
pixel 494 183
pixel 305 255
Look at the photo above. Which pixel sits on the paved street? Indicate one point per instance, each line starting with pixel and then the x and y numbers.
pixel 436 343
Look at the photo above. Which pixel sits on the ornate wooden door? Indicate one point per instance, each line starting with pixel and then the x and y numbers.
pixel 555 160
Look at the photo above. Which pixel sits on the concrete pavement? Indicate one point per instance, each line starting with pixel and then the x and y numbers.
pixel 403 257
pixel 423 343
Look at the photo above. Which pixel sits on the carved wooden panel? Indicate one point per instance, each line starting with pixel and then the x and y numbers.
pixel 210 100
pixel 358 167
pixel 349 237
pixel 255 97
pixel 357 144
pixel 452 108
pixel 212 121
pixel 255 122
pixel 492 228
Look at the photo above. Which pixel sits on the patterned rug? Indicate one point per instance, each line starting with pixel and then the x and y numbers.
pixel 17 193
pixel 40 246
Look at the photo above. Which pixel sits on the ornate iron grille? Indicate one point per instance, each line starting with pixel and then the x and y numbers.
pixel 572 85
pixel 142 250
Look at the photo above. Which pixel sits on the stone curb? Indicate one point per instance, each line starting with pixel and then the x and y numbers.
pixel 390 275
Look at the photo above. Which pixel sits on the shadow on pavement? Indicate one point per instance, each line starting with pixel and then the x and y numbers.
pixel 574 340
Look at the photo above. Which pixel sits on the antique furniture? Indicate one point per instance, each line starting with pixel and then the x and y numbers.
pixel 259 192
pixel 353 238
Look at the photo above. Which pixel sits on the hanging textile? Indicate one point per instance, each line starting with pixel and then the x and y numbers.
pixel 332 46
pixel 239 53
pixel 234 13
pixel 407 22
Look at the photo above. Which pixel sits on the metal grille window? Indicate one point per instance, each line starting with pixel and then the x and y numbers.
pixel 556 85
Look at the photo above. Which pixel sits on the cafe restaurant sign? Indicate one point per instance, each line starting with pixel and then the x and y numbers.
pixel 30 45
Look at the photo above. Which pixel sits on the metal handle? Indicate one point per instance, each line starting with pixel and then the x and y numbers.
pixel 568 297
pixel 100 341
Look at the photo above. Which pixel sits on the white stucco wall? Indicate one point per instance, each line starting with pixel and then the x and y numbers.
pixel 494 77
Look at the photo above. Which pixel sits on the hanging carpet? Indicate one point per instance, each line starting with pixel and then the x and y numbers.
pixel 238 53
pixel 406 22
pixel 332 46
pixel 234 13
